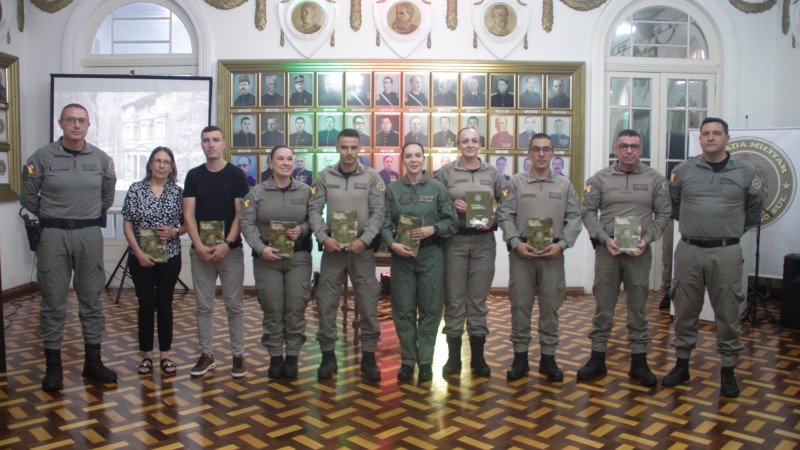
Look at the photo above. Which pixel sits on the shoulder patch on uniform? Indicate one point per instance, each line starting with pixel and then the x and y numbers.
pixel 589 188
pixel 757 184
pixel 665 185
pixel 673 177
pixel 381 186
pixel 247 202
pixel 30 167
pixel 111 164
pixel 505 192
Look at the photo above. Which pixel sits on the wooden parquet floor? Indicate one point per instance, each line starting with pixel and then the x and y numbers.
pixel 217 411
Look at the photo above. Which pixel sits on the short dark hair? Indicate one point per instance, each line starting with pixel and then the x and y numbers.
pixel 540 136
pixel 211 128
pixel 348 132
pixel 173 173
pixel 715 120
pixel 630 133
pixel 407 144
pixel 72 105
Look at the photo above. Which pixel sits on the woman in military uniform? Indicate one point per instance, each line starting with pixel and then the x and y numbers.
pixel 417 273
pixel 278 207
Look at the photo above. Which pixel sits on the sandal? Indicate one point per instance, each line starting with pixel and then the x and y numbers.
pixel 168 367
pixel 146 367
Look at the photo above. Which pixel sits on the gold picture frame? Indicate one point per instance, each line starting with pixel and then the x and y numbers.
pixel 10 144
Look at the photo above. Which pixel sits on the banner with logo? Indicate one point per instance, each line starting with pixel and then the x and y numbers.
pixel 775 153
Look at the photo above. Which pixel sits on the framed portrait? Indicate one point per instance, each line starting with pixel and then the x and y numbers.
pixel 365 159
pixel 3 84
pixel 524 164
pixel 304 167
pixel 500 19
pixel 387 86
pixel 504 165
pixel 501 131
pixel 529 91
pixel 273 129
pixel 560 165
pixel 444 132
pixel 362 123
pixel 387 126
pixel 329 88
pixel 559 92
pixel 301 89
pixel 3 126
pixel 404 18
pixel 473 90
pixel 4 178
pixel 445 89
pixel 328 128
pixel 477 121
pixel 265 166
pixel 388 166
pixel 415 128
pixel 502 89
pixel 359 89
pixel 527 126
pixel 415 89
pixel 558 128
pixel 301 130
pixel 441 159
pixel 244 130
pixel 325 160
pixel 273 89
pixel 243 90
pixel 248 164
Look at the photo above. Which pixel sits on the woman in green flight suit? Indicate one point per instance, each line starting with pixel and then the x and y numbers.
pixel 418 280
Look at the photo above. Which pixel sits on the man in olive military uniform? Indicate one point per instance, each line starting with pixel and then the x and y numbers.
pixel 628 190
pixel 69 185
pixel 715 199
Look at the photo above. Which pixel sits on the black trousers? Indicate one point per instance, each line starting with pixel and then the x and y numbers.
pixel 154 288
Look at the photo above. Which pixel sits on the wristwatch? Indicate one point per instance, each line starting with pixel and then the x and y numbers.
pixel 231 244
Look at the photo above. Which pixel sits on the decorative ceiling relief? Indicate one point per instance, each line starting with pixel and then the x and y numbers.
pixel 307 24
pixel 500 25
pixel 404 25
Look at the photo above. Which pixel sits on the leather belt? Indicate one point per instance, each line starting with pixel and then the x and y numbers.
pixel 70 224
pixel 710 243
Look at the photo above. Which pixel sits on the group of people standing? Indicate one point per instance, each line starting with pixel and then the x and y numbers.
pixel 442 265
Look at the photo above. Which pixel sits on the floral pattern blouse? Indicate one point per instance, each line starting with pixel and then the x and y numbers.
pixel 144 210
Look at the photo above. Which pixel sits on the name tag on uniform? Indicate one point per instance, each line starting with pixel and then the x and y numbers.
pixel 726 181
pixel 556 195
pixel 487 183
pixel 91 167
pixel 360 185
pixel 640 187
pixel 333 186
pixel 426 198
pixel 695 181
pixel 58 168
pixel 298 201
pixel 461 180
pixel 528 195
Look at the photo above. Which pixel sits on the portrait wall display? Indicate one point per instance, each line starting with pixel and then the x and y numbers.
pixel 10 164
pixel 560 165
pixel 304 167
pixel 388 166
pixel 504 165
pixel 248 164
pixel 523 164
pixel 305 105
pixel 3 126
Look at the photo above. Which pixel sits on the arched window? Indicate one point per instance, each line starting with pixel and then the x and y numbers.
pixel 659 32
pixel 141 28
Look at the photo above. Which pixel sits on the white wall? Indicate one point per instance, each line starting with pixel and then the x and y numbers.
pixel 762 50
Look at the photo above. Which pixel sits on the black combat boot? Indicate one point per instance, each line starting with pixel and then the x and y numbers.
pixel 640 371
pixel 594 368
pixel 453 364
pixel 664 301
pixel 425 373
pixel 679 374
pixel 328 366
pixel 519 367
pixel 53 376
pixel 369 368
pixel 729 388
pixel 275 367
pixel 548 366
pixel 477 361
pixel 290 367
pixel 93 368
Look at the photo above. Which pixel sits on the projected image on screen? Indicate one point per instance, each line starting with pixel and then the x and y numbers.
pixel 130 116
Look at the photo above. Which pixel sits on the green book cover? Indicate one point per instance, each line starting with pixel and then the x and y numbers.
pixel 404 226
pixel 212 232
pixel 540 233
pixel 152 245
pixel 278 239
pixel 479 209
pixel 344 227
pixel 627 233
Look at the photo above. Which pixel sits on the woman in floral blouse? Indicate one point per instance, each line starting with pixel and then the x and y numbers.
pixel 153 213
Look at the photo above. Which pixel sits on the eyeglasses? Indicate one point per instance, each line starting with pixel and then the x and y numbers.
pixel 74 120
pixel 624 147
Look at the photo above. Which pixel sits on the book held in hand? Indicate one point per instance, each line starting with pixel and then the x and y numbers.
pixel 405 224
pixel 540 233
pixel 627 233
pixel 479 209
pixel 152 245
pixel 278 239
pixel 212 232
pixel 344 227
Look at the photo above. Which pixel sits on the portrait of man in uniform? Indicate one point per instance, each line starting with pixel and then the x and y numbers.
pixel 558 92
pixel 244 90
pixel 445 94
pixel 500 19
pixel 387 83
pixel 503 134
pixel 358 89
pixel 478 122
pixel 405 18
pixel 328 127
pixel 558 129
pixel 445 137
pixel 416 127
pixel 387 136
pixel 272 126
pixel 247 164
pixel 528 127
pixel 301 95
pixel 302 128
pixel 361 122
pixel 416 90
pixel 243 126
pixel 303 163
pixel 530 91
pixel 308 18
pixel 272 85
pixel 503 93
pixel 473 90
pixel 329 89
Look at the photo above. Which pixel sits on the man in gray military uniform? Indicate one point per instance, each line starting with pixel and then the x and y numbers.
pixel 629 190
pixel 69 185
pixel 537 194
pixel 348 186
pixel 715 199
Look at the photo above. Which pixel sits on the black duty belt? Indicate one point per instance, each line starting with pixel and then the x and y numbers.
pixel 710 243
pixel 474 231
pixel 71 224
